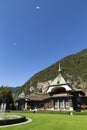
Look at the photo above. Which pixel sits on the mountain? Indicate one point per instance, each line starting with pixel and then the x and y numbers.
pixel 13 89
pixel 74 69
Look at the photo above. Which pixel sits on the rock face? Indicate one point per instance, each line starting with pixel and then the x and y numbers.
pixel 43 86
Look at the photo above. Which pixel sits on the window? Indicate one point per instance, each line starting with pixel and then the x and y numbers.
pixel 61 103
pixel 57 104
pixel 67 104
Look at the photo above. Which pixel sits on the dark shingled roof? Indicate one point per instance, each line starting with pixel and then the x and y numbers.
pixel 38 97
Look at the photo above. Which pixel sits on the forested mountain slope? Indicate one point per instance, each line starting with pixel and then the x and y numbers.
pixel 74 69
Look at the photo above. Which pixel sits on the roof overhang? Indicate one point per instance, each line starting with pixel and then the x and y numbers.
pixel 64 87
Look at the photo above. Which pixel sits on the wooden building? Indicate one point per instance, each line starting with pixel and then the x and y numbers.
pixel 60 96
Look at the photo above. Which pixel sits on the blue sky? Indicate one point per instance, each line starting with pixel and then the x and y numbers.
pixel 36 33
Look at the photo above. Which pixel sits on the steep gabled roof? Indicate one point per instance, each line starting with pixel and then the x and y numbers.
pixel 59 81
pixel 22 95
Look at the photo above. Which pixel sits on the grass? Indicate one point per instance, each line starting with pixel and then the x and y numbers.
pixel 52 122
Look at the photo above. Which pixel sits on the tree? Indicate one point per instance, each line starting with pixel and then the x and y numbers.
pixel 6 97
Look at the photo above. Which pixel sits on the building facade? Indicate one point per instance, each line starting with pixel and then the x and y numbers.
pixel 59 96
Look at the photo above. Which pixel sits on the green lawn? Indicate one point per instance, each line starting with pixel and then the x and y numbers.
pixel 52 122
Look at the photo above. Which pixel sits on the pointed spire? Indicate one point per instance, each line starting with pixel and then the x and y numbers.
pixel 59 68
